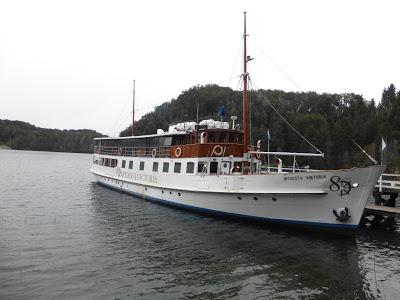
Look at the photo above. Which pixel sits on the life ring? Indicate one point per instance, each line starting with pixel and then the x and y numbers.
pixel 154 152
pixel 258 154
pixel 120 151
pixel 218 150
pixel 178 152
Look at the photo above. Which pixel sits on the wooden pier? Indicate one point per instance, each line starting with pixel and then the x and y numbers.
pixel 384 211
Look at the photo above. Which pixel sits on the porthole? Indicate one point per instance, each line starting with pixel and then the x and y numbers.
pixel 170 193
pixel 255 198
pixel 145 189
pixel 240 198
pixel 162 192
pixel 179 194
pixel 274 199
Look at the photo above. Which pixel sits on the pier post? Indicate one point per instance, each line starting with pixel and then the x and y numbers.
pixel 392 200
pixel 377 196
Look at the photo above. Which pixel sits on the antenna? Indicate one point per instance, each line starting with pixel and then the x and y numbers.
pixel 133 104
pixel 197 114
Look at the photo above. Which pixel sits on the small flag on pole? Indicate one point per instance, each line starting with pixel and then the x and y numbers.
pixel 221 111
pixel 383 144
pixel 268 135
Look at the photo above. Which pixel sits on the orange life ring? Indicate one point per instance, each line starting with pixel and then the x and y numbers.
pixel 218 150
pixel 154 152
pixel 178 152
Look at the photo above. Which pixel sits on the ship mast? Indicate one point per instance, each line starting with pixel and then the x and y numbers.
pixel 245 92
pixel 133 106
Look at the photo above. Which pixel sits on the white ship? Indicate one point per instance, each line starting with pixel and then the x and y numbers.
pixel 210 167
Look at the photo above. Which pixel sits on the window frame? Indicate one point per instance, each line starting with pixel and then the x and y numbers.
pixel 190 163
pixel 167 169
pixel 177 170
pixel 155 166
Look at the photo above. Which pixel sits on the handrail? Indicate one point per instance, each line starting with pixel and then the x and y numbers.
pixel 384 183
pixel 392 175
pixel 288 153
pixel 133 151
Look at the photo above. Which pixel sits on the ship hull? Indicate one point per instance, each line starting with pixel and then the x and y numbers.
pixel 310 199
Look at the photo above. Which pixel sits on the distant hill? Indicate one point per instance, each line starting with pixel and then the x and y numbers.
pixel 24 136
pixel 329 121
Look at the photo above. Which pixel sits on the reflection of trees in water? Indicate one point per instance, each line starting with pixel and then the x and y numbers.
pixel 165 250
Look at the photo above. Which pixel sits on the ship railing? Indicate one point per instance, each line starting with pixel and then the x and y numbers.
pixel 134 151
pixel 265 169
pixel 295 167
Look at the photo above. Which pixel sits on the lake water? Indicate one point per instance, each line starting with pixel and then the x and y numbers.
pixel 62 236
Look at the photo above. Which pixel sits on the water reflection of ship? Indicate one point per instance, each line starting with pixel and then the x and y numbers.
pixel 180 251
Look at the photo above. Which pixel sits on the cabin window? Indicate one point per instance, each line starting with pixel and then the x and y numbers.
pixel 141 166
pixel 221 137
pixel 114 163
pixel 190 167
pixel 213 167
pixel 155 166
pixel 123 163
pixel 165 167
pixel 237 166
pixel 130 164
pixel 177 167
pixel 202 167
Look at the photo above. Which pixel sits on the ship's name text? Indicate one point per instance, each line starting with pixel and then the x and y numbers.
pixel 136 176
pixel 304 177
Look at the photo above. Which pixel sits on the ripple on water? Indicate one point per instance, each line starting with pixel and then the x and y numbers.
pixel 63 236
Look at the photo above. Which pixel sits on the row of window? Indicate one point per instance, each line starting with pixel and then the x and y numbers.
pixel 107 162
pixel 190 166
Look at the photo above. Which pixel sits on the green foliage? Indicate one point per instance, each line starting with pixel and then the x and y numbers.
pixel 329 121
pixel 24 136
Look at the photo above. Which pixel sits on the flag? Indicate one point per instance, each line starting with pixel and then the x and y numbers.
pixel 268 135
pixel 221 111
pixel 383 144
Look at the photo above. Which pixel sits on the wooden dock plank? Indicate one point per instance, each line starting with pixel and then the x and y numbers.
pixel 383 209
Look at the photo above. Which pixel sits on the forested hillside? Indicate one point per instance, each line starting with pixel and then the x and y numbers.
pixel 24 136
pixel 329 121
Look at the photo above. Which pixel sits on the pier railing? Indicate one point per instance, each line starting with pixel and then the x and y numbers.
pixel 389 182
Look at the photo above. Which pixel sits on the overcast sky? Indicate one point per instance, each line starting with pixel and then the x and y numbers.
pixel 70 64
